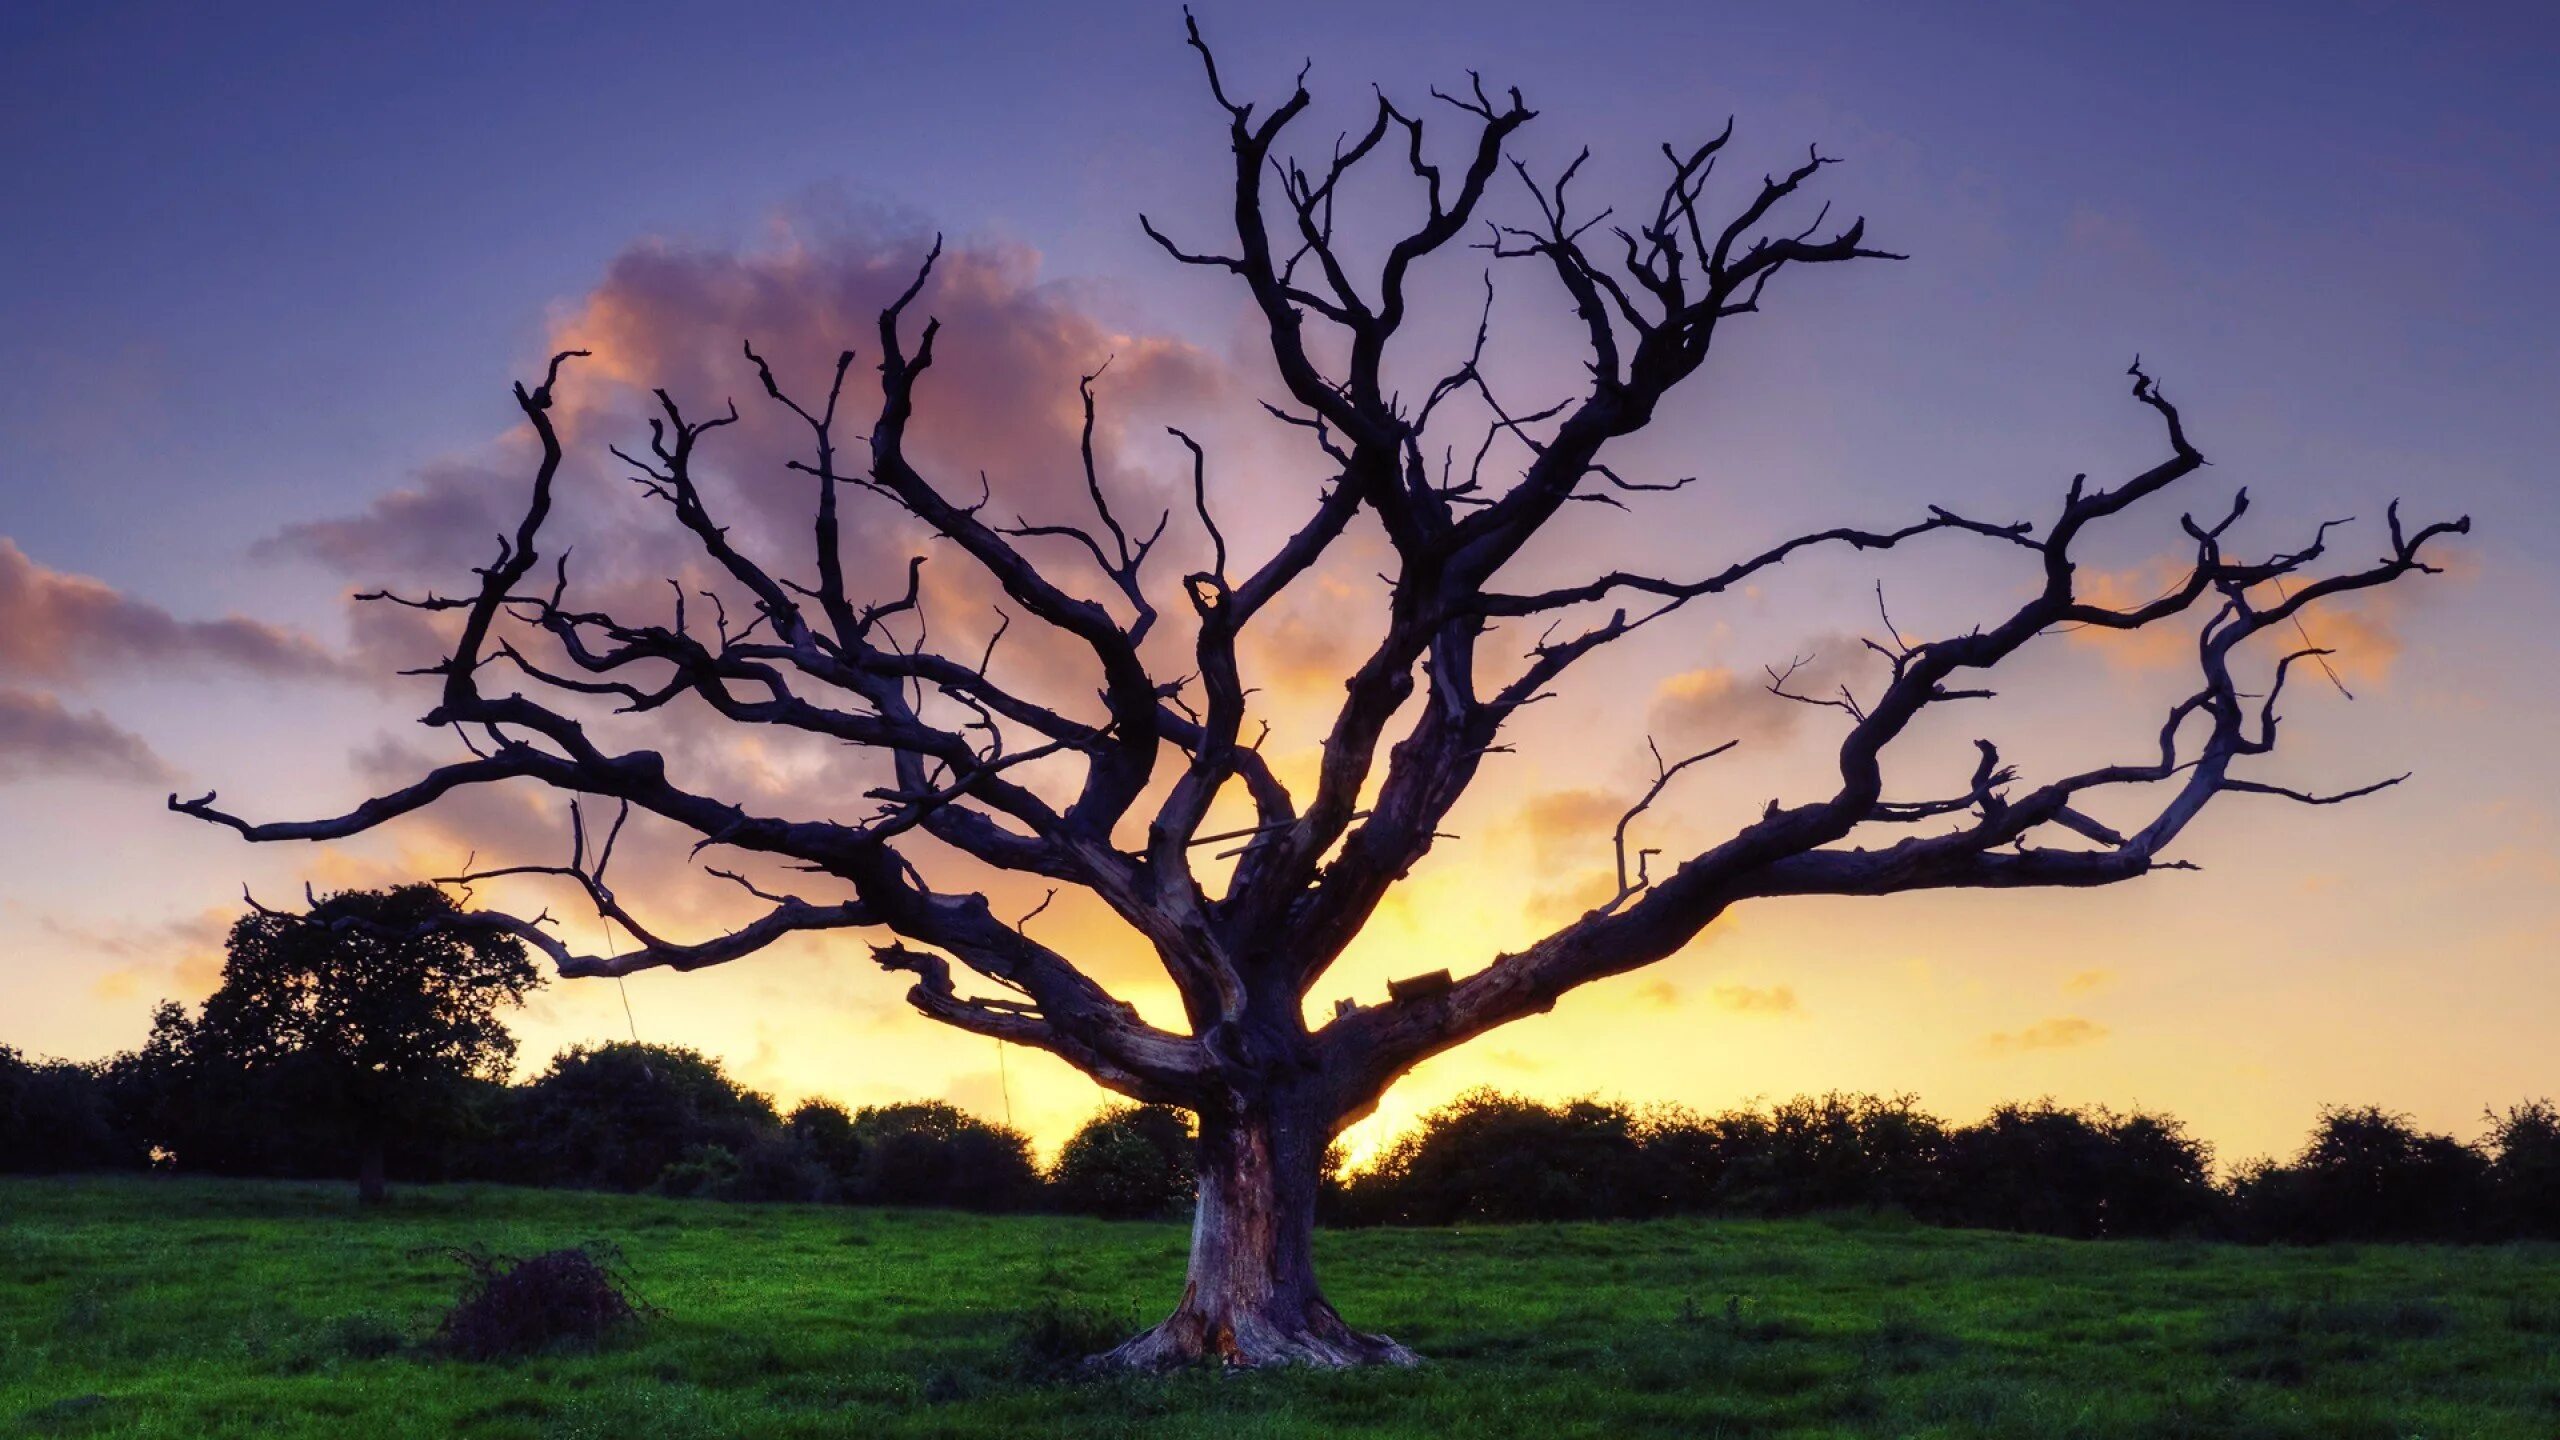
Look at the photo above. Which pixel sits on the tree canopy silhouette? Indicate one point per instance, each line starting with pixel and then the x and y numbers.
pixel 372 1008
pixel 1115 796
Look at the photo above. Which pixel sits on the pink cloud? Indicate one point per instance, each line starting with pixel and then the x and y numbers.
pixel 1001 399
pixel 40 737
pixel 59 627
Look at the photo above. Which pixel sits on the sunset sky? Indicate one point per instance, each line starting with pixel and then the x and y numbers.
pixel 267 276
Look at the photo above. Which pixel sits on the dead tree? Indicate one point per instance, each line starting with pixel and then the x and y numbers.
pixel 1244 944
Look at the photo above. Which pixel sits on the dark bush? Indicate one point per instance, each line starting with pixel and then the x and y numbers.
pixel 1685 1159
pixel 2524 1145
pixel 1831 1152
pixel 928 1153
pixel 560 1299
pixel 702 1171
pixel 821 1133
pixel 57 1116
pixel 615 1117
pixel 1129 1163
pixel 1489 1156
pixel 2082 1173
pixel 777 1169
pixel 2367 1174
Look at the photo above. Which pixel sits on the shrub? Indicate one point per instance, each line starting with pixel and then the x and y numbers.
pixel 615 1117
pixel 928 1153
pixel 703 1170
pixel 1831 1152
pixel 57 1116
pixel 776 1168
pixel 2367 1174
pixel 2525 1146
pixel 558 1299
pixel 1128 1163
pixel 1058 1338
pixel 1489 1156
pixel 822 1134
pixel 2083 1173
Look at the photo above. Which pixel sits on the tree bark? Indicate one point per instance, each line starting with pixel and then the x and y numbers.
pixel 370 1189
pixel 1251 1296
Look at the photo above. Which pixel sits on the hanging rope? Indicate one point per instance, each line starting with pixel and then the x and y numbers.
pixel 1004 1083
pixel 2298 629
pixel 613 951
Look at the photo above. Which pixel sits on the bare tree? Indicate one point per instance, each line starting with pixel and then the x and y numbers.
pixel 1243 947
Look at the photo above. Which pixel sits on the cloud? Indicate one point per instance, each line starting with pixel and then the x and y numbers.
pixel 415 530
pixel 1571 824
pixel 1752 1000
pixel 1000 399
pixel 39 737
pixel 177 959
pixel 2065 1032
pixel 1567 898
pixel 2084 982
pixel 1716 703
pixel 2362 630
pixel 61 628
pixel 1661 994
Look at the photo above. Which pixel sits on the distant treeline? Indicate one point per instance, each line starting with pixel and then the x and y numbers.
pixel 671 1121
pixel 2364 1174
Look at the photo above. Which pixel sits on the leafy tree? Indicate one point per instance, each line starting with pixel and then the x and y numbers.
pixel 926 1152
pixel 365 1016
pixel 57 1116
pixel 616 1116
pixel 1486 1156
pixel 2525 1144
pixel 1832 1152
pixel 2368 1174
pixel 2085 1173
pixel 1127 1163
pixel 823 1131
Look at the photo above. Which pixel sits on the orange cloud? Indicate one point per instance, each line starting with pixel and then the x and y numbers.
pixel 2086 982
pixel 2360 629
pixel 1751 1000
pixel 1565 823
pixel 1717 703
pixel 177 959
pixel 2065 1032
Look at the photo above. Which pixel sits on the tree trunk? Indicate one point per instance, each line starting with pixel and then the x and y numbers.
pixel 1251 1296
pixel 369 1187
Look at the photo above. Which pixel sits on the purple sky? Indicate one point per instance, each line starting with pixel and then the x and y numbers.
pixel 264 267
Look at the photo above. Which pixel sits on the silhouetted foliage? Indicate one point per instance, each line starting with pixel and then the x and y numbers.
pixel 2524 1144
pixel 928 1153
pixel 616 1116
pixel 57 1116
pixel 1129 1163
pixel 821 1131
pixel 1488 1156
pixel 702 1171
pixel 2367 1174
pixel 2083 1173
pixel 559 1299
pixel 356 1038
pixel 671 1120
pixel 1831 1152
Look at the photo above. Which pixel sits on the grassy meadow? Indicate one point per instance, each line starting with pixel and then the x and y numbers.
pixel 151 1307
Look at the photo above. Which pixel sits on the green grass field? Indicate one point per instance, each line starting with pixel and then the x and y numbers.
pixel 140 1307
